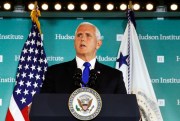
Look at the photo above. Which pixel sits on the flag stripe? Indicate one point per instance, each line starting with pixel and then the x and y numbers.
pixel 14 110
pixel 9 116
pixel 25 113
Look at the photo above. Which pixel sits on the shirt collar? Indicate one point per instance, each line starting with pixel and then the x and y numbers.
pixel 80 63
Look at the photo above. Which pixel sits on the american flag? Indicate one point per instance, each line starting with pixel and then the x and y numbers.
pixel 29 78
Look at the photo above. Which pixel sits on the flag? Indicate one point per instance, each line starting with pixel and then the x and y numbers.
pixel 29 77
pixel 131 62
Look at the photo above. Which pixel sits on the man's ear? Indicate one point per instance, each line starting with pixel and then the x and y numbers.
pixel 99 43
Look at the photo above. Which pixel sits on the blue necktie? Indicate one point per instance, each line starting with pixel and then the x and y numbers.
pixel 85 76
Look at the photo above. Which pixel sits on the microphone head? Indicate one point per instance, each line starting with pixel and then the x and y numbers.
pixel 93 74
pixel 92 77
pixel 77 77
pixel 78 71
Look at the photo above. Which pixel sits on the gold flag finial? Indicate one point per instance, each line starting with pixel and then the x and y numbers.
pixel 35 13
pixel 35 4
pixel 130 6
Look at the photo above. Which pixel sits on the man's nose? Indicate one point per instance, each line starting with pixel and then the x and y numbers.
pixel 83 38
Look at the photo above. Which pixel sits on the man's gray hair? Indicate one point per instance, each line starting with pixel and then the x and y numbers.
pixel 98 34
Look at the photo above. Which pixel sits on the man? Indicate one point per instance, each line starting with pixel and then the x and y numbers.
pixel 60 78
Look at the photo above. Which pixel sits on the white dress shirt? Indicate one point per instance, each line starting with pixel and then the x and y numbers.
pixel 80 63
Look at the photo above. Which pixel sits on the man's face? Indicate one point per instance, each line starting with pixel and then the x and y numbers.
pixel 86 42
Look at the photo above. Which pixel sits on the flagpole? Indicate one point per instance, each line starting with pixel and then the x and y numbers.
pixel 129 53
pixel 130 6
pixel 35 13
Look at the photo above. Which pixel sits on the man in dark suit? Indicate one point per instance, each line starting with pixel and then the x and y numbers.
pixel 60 77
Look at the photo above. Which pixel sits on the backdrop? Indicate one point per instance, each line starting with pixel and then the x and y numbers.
pixel 159 39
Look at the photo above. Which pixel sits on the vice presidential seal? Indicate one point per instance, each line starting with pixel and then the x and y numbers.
pixel 85 103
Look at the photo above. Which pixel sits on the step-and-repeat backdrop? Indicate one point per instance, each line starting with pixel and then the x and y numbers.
pixel 159 39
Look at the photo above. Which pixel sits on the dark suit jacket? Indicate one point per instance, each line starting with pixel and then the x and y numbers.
pixel 59 79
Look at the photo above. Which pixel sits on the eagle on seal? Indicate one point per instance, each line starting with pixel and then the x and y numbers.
pixel 85 104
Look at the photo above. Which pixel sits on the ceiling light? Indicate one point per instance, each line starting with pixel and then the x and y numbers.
pixel 71 6
pixel 31 6
pixel 57 6
pixel 84 6
pixel 97 6
pixel 174 7
pixel 110 6
pixel 136 6
pixel 123 7
pixel 7 6
pixel 44 6
pixel 149 6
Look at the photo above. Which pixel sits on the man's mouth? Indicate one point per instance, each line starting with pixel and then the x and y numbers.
pixel 82 45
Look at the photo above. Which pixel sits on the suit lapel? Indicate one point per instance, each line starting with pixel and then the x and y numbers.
pixel 99 69
pixel 72 66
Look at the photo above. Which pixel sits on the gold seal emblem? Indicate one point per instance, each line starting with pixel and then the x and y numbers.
pixel 85 103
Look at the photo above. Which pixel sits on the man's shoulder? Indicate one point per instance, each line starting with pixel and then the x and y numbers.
pixel 61 65
pixel 109 68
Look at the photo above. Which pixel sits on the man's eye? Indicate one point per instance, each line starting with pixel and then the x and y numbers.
pixel 88 35
pixel 79 35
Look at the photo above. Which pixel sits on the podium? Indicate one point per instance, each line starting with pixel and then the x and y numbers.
pixel 54 107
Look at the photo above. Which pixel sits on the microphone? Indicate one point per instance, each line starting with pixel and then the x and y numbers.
pixel 77 77
pixel 92 78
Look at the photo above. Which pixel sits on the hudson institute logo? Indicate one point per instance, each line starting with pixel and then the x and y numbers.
pixel 1 58
pixel 0 102
pixel 85 103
